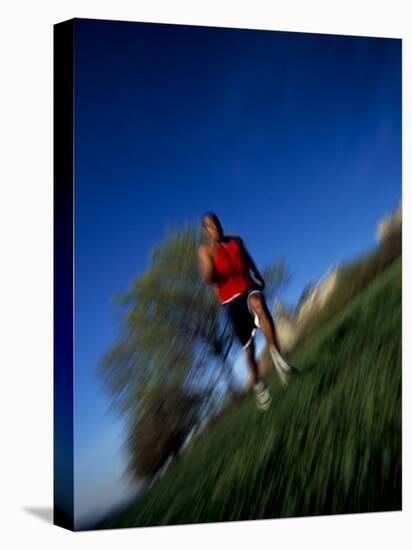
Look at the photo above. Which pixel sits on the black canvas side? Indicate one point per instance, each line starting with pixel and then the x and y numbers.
pixel 63 274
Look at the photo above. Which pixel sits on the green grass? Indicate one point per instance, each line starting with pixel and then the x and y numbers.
pixel 352 279
pixel 330 444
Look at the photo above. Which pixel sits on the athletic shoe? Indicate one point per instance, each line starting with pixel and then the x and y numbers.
pixel 283 370
pixel 263 397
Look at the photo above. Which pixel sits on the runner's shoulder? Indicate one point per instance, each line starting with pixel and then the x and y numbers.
pixel 235 238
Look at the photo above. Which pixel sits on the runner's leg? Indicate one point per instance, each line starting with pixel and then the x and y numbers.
pixel 258 305
pixel 251 361
pixel 262 392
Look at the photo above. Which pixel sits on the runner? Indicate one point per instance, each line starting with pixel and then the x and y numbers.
pixel 225 263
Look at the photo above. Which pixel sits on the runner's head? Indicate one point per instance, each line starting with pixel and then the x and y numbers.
pixel 212 226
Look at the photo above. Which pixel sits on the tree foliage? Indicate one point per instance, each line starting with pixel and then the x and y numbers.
pixel 160 431
pixel 168 322
pixel 171 335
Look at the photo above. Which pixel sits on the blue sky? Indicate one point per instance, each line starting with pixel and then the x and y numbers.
pixel 293 139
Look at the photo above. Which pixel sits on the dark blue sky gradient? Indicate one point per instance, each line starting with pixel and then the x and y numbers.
pixel 293 139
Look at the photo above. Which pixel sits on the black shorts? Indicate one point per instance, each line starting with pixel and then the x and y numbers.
pixel 242 317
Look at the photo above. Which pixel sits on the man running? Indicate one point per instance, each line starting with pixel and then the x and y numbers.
pixel 225 263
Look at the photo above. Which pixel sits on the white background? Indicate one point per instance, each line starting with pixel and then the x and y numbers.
pixel 26 281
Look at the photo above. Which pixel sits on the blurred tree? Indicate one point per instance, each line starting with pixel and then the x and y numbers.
pixel 169 324
pixel 171 335
pixel 157 435
pixel 275 275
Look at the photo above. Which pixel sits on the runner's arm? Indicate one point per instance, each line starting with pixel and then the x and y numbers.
pixel 206 267
pixel 253 268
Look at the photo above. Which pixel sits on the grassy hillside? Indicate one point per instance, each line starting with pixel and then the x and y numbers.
pixel 330 444
pixel 352 279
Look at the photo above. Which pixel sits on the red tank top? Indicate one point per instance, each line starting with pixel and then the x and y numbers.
pixel 232 269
